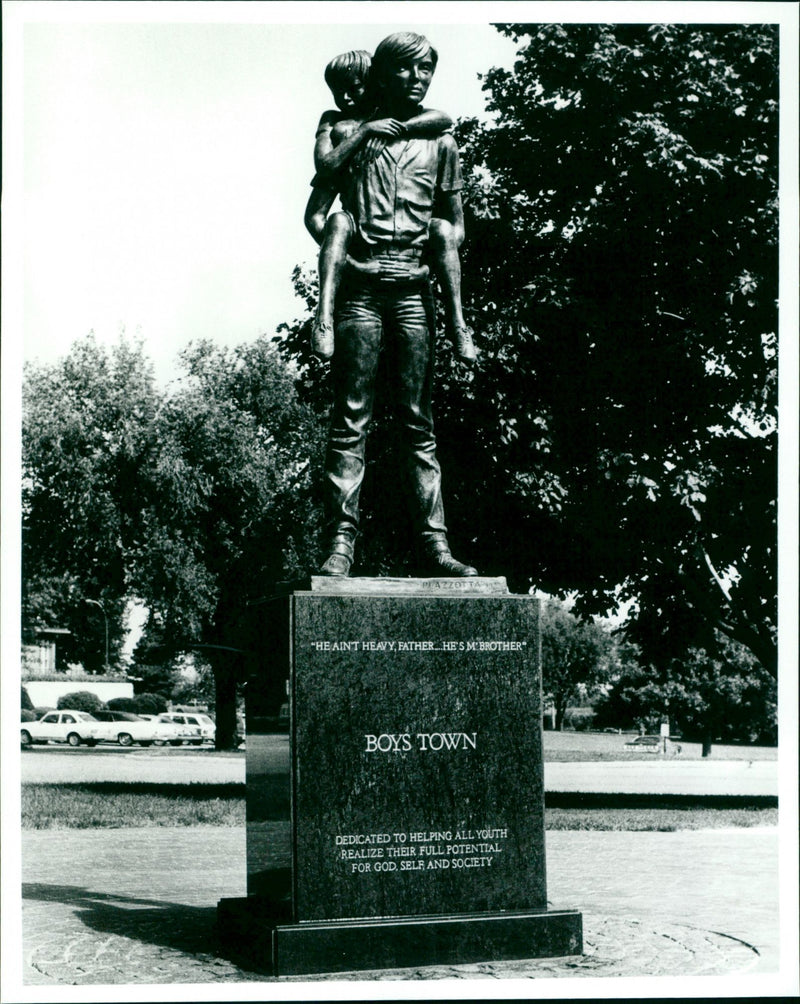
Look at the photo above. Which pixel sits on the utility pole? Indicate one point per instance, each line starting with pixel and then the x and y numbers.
pixel 97 603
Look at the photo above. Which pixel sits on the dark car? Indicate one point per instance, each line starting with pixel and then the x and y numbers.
pixel 653 744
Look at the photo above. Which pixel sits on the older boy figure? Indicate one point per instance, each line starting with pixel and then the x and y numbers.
pixel 385 299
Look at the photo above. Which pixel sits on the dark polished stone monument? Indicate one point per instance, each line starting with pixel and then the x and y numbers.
pixel 395 817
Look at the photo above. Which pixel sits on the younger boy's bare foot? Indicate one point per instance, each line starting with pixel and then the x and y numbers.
pixel 464 345
pixel 322 338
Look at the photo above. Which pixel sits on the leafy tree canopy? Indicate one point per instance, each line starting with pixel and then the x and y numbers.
pixel 86 443
pixel 621 265
pixel 230 498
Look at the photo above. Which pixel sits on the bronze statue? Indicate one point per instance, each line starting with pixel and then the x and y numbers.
pixel 398 163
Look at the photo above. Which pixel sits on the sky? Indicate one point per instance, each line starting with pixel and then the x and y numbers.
pixel 163 152
pixel 166 169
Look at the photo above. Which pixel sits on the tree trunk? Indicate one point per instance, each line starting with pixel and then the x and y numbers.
pixel 225 685
pixel 707 745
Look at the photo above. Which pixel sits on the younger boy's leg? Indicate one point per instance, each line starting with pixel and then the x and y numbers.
pixel 448 267
pixel 332 260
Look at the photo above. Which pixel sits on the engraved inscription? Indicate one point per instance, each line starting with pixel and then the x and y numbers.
pixel 404 645
pixel 438 850
pixel 394 742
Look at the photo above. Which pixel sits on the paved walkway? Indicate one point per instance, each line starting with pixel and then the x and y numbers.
pixel 135 906
pixel 665 777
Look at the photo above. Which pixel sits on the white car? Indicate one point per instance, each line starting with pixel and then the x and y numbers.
pixel 173 734
pixel 125 728
pixel 202 728
pixel 73 727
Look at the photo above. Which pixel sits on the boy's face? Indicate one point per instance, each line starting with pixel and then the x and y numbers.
pixel 407 81
pixel 349 94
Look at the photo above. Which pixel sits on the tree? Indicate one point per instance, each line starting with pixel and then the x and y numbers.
pixel 153 661
pixel 195 684
pixel 574 656
pixel 230 500
pixel 86 442
pixel 621 266
pixel 722 694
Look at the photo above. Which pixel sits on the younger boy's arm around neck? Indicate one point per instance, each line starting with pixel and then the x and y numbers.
pixel 427 122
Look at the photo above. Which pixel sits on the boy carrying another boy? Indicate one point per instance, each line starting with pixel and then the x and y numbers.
pixel 346 140
pixel 384 303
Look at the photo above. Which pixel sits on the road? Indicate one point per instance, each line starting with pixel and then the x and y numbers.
pixel 159 765
pixel 154 765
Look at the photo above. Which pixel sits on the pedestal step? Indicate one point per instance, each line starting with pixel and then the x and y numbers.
pixel 316 947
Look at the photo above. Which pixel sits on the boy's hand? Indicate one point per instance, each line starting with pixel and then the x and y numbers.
pixel 385 127
pixel 390 269
pixel 373 148
pixel 369 267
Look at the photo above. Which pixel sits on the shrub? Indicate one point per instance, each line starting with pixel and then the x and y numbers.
pixel 122 704
pixel 81 700
pixel 27 703
pixel 579 719
pixel 28 715
pixel 149 704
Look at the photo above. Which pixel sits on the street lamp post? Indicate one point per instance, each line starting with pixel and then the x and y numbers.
pixel 97 603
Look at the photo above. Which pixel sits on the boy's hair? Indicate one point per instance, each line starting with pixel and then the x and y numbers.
pixel 395 48
pixel 343 69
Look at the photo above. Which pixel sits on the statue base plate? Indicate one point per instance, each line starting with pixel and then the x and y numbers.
pixel 317 947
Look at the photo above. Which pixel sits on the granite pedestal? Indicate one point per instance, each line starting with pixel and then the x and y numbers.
pixel 395 804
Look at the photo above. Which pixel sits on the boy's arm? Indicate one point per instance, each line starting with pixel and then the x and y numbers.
pixel 428 122
pixel 323 144
pixel 348 137
pixel 450 207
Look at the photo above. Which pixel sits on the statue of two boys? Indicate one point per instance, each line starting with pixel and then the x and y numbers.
pixel 396 172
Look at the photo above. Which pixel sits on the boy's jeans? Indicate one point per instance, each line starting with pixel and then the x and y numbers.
pixel 372 315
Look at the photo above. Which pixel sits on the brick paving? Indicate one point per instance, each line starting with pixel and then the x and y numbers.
pixel 135 906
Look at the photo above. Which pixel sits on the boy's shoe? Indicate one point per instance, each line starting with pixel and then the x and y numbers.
pixel 340 555
pixel 438 562
pixel 336 564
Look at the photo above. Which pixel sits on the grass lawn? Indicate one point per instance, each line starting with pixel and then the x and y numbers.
pixel 592 746
pixel 99 805
pixel 95 806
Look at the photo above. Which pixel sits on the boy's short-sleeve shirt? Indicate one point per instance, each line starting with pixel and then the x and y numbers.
pixel 391 200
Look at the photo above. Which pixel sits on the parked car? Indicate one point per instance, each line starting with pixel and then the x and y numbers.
pixel 186 733
pixel 173 734
pixel 67 726
pixel 125 728
pixel 202 726
pixel 653 744
pixel 650 744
